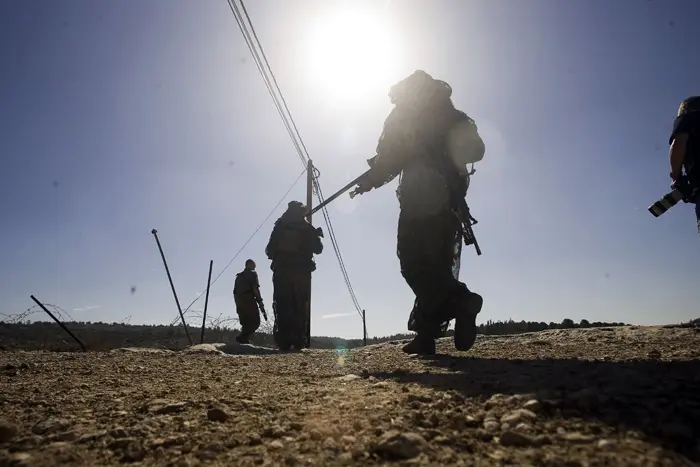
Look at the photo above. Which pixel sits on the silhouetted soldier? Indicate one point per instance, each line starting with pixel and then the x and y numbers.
pixel 429 143
pixel 249 303
pixel 684 152
pixel 293 243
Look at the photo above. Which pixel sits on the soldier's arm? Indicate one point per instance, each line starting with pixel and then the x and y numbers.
pixel 255 286
pixel 391 152
pixel 683 125
pixel 271 247
pixel 677 155
pixel 317 245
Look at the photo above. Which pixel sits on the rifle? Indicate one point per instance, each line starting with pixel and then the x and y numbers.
pixel 462 211
pixel 467 221
pixel 262 309
pixel 340 192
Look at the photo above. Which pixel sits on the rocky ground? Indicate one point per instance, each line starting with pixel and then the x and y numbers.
pixel 607 396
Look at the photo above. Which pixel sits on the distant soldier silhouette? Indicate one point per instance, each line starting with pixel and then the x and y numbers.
pixel 684 152
pixel 292 245
pixel 429 143
pixel 249 303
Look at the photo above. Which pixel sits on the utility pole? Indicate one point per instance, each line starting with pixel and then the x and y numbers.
pixel 364 328
pixel 309 203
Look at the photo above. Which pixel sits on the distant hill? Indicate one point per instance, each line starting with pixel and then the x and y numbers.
pixel 105 336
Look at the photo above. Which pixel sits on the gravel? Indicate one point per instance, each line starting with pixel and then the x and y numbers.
pixel 580 397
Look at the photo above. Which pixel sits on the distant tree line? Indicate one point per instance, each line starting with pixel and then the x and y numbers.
pixel 104 336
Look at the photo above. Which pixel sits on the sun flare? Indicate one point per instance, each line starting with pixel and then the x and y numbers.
pixel 352 55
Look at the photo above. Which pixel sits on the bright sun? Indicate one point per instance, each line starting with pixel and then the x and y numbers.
pixel 352 55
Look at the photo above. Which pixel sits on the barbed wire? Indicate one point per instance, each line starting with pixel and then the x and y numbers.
pixel 16 318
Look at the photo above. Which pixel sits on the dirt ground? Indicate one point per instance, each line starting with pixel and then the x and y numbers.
pixel 606 396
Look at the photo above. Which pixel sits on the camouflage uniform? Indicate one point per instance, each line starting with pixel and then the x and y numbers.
pixel 244 294
pixel 429 238
pixel 292 244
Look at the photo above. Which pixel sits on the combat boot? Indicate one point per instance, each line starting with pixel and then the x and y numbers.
pixel 242 339
pixel 422 344
pixel 465 321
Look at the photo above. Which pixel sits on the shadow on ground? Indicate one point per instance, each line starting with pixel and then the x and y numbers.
pixel 659 400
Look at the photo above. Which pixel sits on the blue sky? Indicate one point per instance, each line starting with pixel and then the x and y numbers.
pixel 152 115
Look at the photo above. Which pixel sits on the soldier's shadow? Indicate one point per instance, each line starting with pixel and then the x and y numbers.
pixel 659 399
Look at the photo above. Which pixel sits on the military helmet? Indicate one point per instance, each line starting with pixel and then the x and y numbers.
pixel 689 104
pixel 418 85
pixel 296 209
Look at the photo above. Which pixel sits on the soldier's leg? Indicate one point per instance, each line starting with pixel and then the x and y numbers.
pixel 254 318
pixel 242 318
pixel 283 298
pixel 249 317
pixel 419 245
pixel 463 305
pixel 302 285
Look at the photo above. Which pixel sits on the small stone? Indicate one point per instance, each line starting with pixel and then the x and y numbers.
pixel 606 445
pixel 167 442
pixel 276 445
pixel 120 443
pixel 491 425
pixel 400 445
pixel 513 438
pixel 329 443
pixel 471 422
pixel 133 452
pixel 119 433
pixel 655 354
pixel 7 431
pixel 499 400
pixel 254 440
pixel 66 436
pixel 533 405
pixel 213 448
pixel 578 438
pixel 50 425
pixel 296 426
pixel 417 397
pixel 207 455
pixel 349 377
pixel 159 453
pixel 348 439
pixel 524 428
pixel 217 415
pixel 274 431
pixel 518 416
pixel 88 437
pixel 20 459
pixel 168 408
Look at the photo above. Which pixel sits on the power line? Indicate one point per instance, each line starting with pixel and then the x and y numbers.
pixel 254 44
pixel 272 211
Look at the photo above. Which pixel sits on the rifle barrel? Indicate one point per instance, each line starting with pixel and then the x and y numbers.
pixel 337 193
